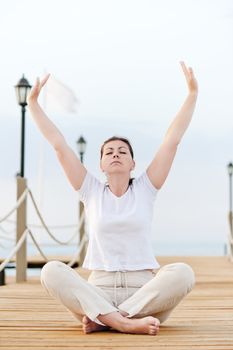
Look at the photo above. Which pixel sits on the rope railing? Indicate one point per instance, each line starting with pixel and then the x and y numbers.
pixel 18 203
pixel 14 250
pixel 46 227
pixel 37 245
pixel 23 238
pixel 55 227
pixel 43 225
pixel 80 247
pixel 75 257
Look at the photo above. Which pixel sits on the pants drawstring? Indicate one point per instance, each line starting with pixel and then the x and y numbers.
pixel 126 284
pixel 115 287
pixel 121 274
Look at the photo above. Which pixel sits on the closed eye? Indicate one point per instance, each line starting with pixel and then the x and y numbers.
pixel 111 153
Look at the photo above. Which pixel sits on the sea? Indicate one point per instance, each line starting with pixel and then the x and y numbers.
pixel 191 248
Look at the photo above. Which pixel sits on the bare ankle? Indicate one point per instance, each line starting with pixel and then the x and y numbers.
pixel 123 313
pixel 114 320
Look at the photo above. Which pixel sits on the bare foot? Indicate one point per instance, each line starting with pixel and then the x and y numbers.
pixel 90 326
pixel 145 325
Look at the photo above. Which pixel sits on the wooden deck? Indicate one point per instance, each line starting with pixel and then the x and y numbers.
pixel 30 319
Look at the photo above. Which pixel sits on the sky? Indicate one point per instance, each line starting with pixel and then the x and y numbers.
pixel 121 59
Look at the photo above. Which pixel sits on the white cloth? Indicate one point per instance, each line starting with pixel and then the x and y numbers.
pixel 119 227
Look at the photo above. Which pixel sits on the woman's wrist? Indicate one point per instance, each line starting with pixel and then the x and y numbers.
pixel 32 102
pixel 193 94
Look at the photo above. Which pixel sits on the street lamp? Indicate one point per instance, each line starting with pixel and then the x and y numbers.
pixel 81 143
pixel 22 90
pixel 230 172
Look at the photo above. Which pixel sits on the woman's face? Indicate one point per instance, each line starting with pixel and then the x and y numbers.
pixel 116 158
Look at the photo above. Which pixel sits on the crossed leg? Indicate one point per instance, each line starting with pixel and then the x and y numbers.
pixel 153 302
pixel 161 294
pixel 149 302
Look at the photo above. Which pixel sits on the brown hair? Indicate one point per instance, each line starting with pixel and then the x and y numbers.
pixel 116 138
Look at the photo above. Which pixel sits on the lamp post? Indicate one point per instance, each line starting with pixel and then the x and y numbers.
pixel 81 145
pixel 230 172
pixel 22 90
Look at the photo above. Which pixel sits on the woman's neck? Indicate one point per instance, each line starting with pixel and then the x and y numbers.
pixel 118 184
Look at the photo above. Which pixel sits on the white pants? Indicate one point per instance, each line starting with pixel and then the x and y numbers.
pixel 139 293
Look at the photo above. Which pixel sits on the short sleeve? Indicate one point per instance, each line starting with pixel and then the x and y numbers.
pixel 145 184
pixel 90 186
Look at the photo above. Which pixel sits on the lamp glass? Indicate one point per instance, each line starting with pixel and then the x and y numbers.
pixel 22 90
pixel 81 145
pixel 21 94
pixel 230 168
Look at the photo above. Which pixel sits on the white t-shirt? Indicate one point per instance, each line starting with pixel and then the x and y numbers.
pixel 119 227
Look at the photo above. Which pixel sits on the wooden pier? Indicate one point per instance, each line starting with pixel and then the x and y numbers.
pixel 30 319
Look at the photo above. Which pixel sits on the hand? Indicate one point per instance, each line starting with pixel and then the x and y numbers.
pixel 35 91
pixel 190 78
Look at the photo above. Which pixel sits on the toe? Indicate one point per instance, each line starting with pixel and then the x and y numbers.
pixel 85 320
pixel 152 331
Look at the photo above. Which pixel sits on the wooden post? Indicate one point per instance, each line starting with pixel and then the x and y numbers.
pixel 231 235
pixel 81 234
pixel 21 255
pixel 2 277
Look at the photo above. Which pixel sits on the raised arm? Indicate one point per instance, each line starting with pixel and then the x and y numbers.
pixel 160 166
pixel 71 164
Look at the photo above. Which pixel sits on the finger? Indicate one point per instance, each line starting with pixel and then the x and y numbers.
pixel 44 80
pixel 184 68
pixel 36 88
pixel 191 72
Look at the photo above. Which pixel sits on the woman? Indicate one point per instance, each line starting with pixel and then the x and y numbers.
pixel 127 290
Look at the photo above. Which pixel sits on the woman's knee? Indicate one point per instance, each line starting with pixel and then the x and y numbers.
pixel 51 271
pixel 182 275
pixel 186 274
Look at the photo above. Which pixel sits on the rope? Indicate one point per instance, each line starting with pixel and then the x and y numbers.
pixel 37 246
pixel 46 227
pixel 77 254
pixel 18 203
pixel 27 230
pixel 22 239
pixel 55 227
pixel 14 250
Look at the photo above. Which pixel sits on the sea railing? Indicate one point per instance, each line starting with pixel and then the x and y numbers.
pixel 28 231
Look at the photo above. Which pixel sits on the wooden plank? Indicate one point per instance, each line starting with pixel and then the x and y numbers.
pixel 30 319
